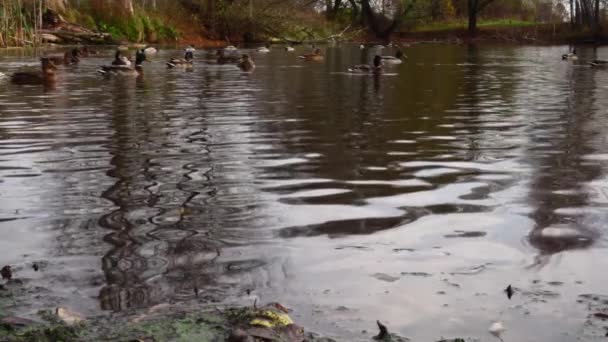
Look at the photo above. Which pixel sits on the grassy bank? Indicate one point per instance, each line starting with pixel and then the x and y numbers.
pixel 142 26
pixel 462 24
pixel 505 31
pixel 19 27
pixel 29 22
pixel 168 22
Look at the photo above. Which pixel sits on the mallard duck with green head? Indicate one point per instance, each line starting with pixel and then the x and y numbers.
pixel 396 59
pixel 119 59
pixel 375 68
pixel 125 70
pixel 185 62
pixel 570 56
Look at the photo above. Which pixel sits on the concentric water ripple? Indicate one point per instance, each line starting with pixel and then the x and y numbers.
pixel 474 166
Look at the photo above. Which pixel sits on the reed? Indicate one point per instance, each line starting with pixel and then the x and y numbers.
pixel 20 21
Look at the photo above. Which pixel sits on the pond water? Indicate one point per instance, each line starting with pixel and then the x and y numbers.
pixel 414 197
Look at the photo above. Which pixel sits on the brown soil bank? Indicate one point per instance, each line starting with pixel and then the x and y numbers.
pixel 538 34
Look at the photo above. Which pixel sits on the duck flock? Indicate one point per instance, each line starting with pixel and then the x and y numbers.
pixel 572 56
pixel 124 66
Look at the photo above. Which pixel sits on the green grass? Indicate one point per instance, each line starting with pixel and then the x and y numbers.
pixel 462 24
pixel 506 23
pixel 138 28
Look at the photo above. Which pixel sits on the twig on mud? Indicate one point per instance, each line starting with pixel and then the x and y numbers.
pixel 383 334
pixel 339 35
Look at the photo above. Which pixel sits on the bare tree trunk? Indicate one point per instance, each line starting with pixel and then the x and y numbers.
pixel 572 12
pixel 127 7
pixel 331 8
pixel 472 4
pixel 596 17
pixel 355 10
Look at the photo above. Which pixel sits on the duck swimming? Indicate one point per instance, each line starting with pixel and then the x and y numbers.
pixel 222 58
pixel 316 56
pixel 397 59
pixel 186 62
pixel 376 68
pixel 86 52
pixel 125 70
pixel 6 272
pixel 571 56
pixel 68 58
pixel 246 63
pixel 290 49
pixel 119 59
pixel 263 49
pixel 71 58
pixel 150 50
pixel 599 63
pixel 45 77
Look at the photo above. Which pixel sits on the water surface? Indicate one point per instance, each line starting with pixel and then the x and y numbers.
pixel 414 197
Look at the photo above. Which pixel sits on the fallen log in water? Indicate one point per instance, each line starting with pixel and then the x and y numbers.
pixel 64 36
pixel 55 29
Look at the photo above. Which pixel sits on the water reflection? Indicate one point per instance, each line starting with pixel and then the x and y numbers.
pixel 193 186
pixel 561 142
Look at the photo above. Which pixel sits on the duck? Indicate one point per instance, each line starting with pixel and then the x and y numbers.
pixel 6 272
pixel 186 62
pixel 57 59
pixel 222 58
pixel 86 52
pixel 290 48
pixel 68 58
pixel 71 58
pixel 45 77
pixel 119 59
pixel 125 70
pixel 246 63
pixel 599 63
pixel 263 49
pixel 150 50
pixel 361 46
pixel 570 56
pixel 396 59
pixel 376 68
pixel 316 56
